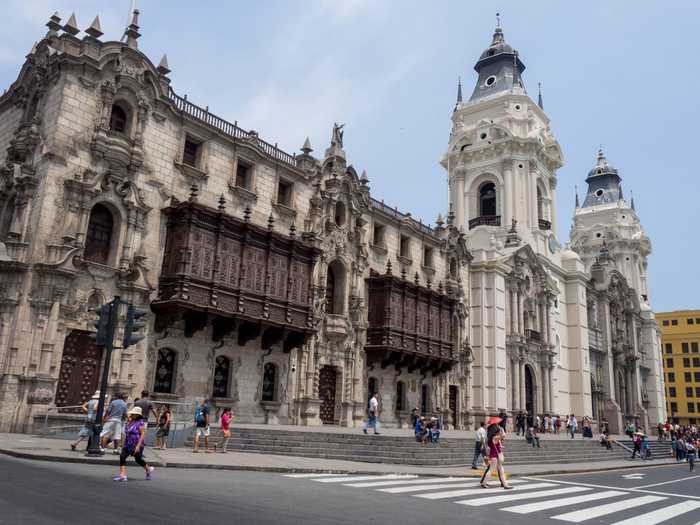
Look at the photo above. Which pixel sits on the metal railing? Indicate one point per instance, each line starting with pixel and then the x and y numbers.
pixel 396 214
pixel 203 115
pixel 544 224
pixel 45 426
pixel 485 220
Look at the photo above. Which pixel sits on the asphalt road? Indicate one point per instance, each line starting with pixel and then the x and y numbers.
pixel 57 493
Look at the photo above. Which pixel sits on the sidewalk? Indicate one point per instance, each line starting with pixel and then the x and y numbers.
pixel 50 449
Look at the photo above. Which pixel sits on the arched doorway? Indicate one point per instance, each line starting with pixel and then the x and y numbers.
pixel 529 391
pixel 326 391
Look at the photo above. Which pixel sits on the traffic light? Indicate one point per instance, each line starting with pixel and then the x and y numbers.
pixel 134 323
pixel 102 324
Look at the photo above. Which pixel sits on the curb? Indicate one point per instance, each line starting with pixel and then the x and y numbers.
pixel 301 470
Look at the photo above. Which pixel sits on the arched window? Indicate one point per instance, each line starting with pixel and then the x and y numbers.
pixel 340 213
pixel 335 288
pixel 98 240
pixel 164 381
pixel 222 374
pixel 424 399
pixel 400 396
pixel 487 199
pixel 118 119
pixel 269 387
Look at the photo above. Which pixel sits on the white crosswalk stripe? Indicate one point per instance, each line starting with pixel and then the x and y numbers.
pixel 343 479
pixel 422 481
pixel 494 500
pixel 308 475
pixel 550 494
pixel 663 514
pixel 602 510
pixel 528 508
pixel 474 492
pixel 419 488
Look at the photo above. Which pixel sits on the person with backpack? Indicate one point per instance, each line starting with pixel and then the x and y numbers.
pixel 201 425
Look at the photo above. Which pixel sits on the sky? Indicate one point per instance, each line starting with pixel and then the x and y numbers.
pixel 621 74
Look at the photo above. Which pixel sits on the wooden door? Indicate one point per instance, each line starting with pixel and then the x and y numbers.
pixel 80 369
pixel 326 391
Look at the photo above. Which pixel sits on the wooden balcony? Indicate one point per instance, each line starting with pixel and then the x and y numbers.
pixel 485 220
pixel 410 326
pixel 237 275
pixel 544 225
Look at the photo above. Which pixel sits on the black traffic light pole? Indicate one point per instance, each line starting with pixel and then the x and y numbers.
pixel 113 313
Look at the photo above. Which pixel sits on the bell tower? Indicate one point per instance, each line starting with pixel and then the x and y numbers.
pixel 502 156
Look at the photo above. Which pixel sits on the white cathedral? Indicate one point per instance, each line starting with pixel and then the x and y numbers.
pixel 552 330
pixel 278 285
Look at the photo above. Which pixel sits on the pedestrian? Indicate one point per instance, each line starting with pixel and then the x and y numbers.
pixel 645 451
pixel 201 424
pixel 135 434
pixel 494 439
pixel 373 419
pixel 637 444
pixel 88 428
pixel 421 430
pixel 434 430
pixel 692 451
pixel 146 407
pixel 572 425
pixel 113 421
pixel 415 415
pixel 479 444
pixel 226 417
pixel 163 429
pixel 532 438
pixel 520 423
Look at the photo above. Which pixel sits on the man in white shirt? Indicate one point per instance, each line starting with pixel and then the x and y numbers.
pixel 479 444
pixel 373 421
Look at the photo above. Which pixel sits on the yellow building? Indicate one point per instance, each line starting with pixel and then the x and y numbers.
pixel 680 339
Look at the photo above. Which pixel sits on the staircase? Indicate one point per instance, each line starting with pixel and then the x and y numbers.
pixel 659 449
pixel 405 450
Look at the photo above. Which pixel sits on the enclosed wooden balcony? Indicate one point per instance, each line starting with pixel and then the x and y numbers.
pixel 225 270
pixel 410 326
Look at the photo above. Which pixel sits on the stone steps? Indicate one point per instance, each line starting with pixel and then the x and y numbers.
pixel 404 449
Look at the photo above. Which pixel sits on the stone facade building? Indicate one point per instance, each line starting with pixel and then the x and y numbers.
pixel 278 285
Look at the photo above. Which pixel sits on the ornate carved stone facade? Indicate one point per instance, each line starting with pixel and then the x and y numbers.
pixel 278 285
pixel 259 266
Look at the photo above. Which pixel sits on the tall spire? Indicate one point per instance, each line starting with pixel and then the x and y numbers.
pixel 602 162
pixel 539 96
pixel 498 32
pixel 459 90
pixel 576 191
pixel 132 29
pixel 632 202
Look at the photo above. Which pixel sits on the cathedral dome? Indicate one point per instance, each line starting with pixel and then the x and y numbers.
pixel 569 255
pixel 498 46
pixel 603 183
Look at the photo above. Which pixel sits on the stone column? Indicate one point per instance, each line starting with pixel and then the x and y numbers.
pixel 459 200
pixel 550 367
pixel 507 199
pixel 521 373
pixel 516 383
pixel 548 320
pixel 545 388
pixel 521 322
pixel 512 310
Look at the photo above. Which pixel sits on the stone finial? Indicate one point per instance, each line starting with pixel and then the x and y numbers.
pixel 54 25
pixel 416 279
pixel 95 29
pixel 270 222
pixel 246 214
pixel 292 230
pixel 194 193
pixel 440 221
pixel 403 273
pixel 132 31
pixel 163 66
pixel 576 203
pixel 540 103
pixel 388 267
pixel 222 203
pixel 306 148
pixel 459 90
pixel 71 26
pixel 441 288
pixel 428 283
pixel 364 179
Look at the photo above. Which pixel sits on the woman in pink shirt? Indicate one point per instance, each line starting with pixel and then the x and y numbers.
pixel 226 418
